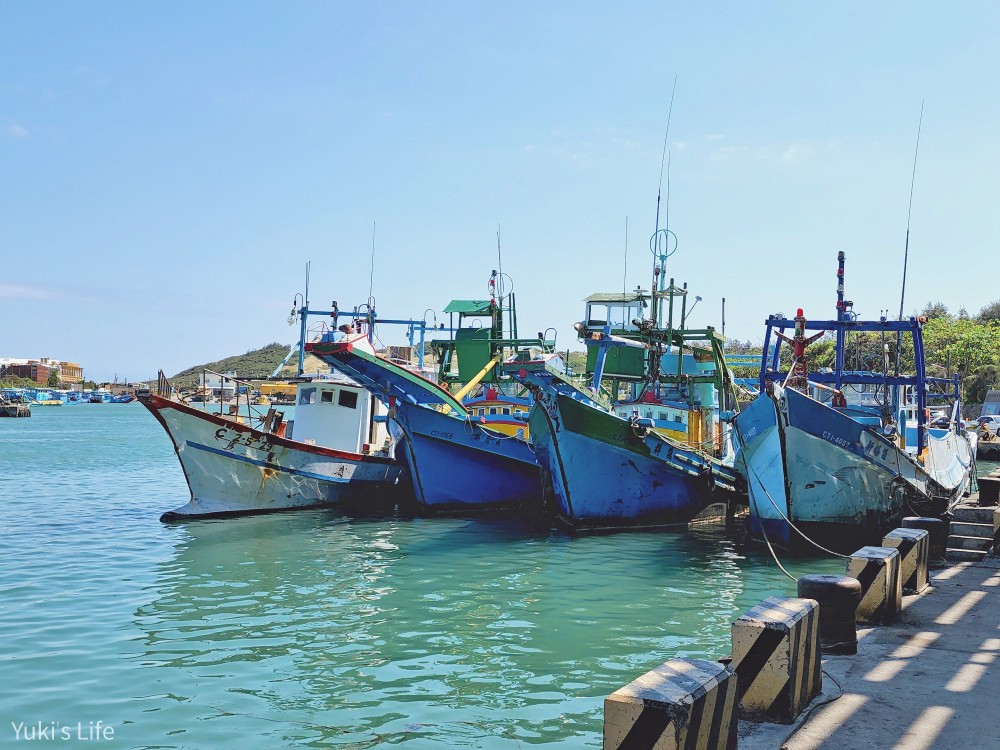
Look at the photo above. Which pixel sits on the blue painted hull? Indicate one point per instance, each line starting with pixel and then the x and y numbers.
pixel 456 464
pixel 760 462
pixel 607 476
pixel 841 483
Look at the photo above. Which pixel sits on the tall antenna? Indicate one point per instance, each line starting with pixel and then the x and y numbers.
pixel 660 257
pixel 663 157
pixel 511 324
pixel 625 272
pixel 909 211
pixel 906 247
pixel 371 275
pixel 499 266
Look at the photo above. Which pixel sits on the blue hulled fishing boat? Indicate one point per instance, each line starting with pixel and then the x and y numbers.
pixel 839 456
pixel 643 445
pixel 457 460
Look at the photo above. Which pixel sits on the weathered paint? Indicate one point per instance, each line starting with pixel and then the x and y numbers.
pixel 776 658
pixel 684 703
pixel 606 474
pixel 231 468
pixel 914 552
pixel 454 460
pixel 457 463
pixel 842 483
pixel 877 569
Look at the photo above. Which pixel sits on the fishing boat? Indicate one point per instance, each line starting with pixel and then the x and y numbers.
pixel 836 457
pixel 643 445
pixel 338 451
pixel 503 412
pixel 456 459
pixel 40 397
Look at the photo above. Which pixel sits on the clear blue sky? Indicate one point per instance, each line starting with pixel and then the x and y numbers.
pixel 168 169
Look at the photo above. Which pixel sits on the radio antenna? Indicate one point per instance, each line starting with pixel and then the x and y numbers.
pixel 906 246
pixel 663 157
pixel 625 272
pixel 371 275
pixel 909 209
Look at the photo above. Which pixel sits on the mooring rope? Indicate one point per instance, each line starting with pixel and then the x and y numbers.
pixel 785 518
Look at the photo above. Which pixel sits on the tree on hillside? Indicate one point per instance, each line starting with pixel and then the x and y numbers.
pixel 934 310
pixel 981 380
pixel 735 346
pixel 990 313
pixel 961 346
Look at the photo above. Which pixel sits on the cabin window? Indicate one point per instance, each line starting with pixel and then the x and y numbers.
pixel 649 414
pixel 493 410
pixel 326 397
pixel 348 399
pixel 506 410
pixel 663 415
pixel 677 418
pixel 307 396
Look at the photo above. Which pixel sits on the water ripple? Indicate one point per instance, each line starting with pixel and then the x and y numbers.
pixel 311 629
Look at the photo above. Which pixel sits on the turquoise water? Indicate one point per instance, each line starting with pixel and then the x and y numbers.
pixel 311 629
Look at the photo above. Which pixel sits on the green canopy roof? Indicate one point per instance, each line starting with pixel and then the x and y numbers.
pixel 469 307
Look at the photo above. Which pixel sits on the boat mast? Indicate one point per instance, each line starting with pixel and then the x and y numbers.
pixel 841 317
pixel 303 316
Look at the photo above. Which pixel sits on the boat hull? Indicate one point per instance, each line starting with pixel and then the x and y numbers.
pixel 233 469
pixel 839 482
pixel 458 465
pixel 605 476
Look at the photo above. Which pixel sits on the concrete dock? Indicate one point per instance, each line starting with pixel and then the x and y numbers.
pixel 927 681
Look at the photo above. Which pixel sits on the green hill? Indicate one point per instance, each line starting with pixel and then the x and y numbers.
pixel 254 365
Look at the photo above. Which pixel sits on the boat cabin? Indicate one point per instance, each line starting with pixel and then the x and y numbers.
pixel 338 413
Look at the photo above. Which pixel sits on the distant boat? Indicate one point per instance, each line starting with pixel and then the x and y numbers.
pixel 838 457
pixel 338 452
pixel 39 397
pixel 499 411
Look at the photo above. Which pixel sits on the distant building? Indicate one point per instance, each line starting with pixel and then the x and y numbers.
pixel 70 372
pixel 215 385
pixel 32 371
pixel 40 369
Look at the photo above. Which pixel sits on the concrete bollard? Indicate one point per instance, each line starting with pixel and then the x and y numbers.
pixel 877 570
pixel 914 557
pixel 776 658
pixel 683 703
pixel 937 528
pixel 989 490
pixel 838 598
pixel 996 530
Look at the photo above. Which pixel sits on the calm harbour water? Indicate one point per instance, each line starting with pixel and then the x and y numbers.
pixel 312 629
